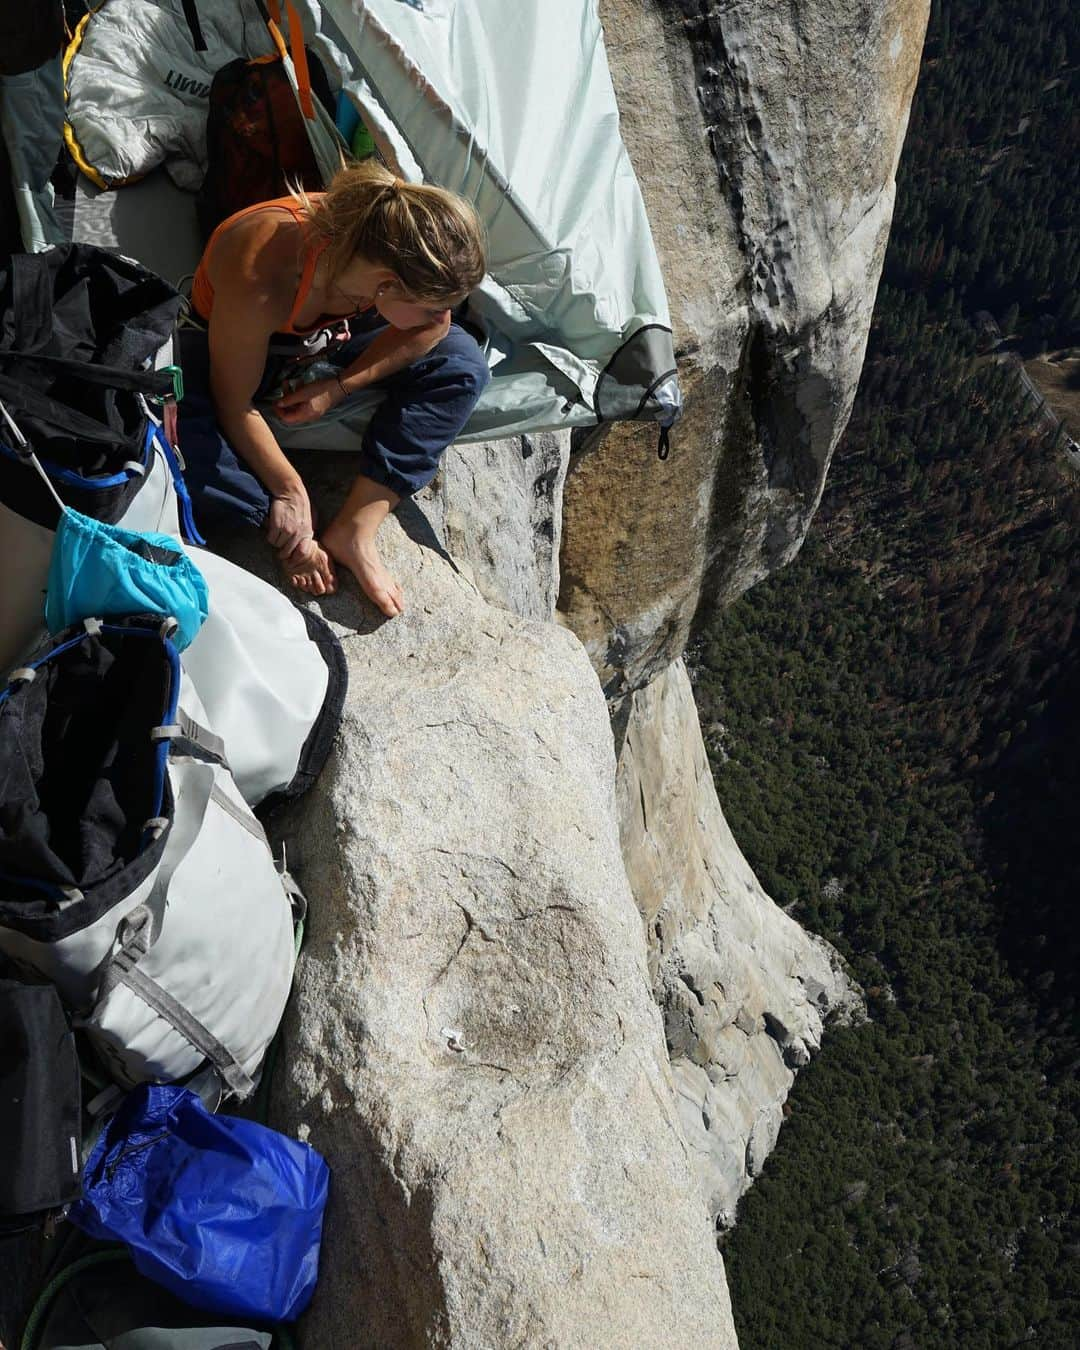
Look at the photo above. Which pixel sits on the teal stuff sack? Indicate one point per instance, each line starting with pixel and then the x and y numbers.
pixel 104 571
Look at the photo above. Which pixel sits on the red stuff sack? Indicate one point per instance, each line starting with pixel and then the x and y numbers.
pixel 256 139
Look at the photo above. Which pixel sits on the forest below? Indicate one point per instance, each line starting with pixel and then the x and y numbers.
pixel 893 723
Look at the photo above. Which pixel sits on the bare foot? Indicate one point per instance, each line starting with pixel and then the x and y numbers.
pixel 359 554
pixel 314 574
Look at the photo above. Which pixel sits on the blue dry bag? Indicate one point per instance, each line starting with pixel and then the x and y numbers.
pixel 104 571
pixel 225 1213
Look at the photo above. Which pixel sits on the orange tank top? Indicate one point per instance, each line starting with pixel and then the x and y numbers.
pixel 202 289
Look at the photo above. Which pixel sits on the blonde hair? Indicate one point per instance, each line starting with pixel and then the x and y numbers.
pixel 430 238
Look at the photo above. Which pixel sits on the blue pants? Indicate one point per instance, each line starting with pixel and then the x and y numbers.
pixel 424 409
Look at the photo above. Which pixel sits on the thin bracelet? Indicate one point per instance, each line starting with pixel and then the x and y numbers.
pixel 340 385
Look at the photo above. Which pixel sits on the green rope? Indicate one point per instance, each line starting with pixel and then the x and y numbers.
pixel 45 1298
pixel 282 1336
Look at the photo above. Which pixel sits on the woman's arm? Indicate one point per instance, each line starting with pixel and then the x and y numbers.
pixel 387 353
pixel 392 350
pixel 245 314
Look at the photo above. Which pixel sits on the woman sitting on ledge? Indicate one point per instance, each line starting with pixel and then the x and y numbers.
pixel 393 259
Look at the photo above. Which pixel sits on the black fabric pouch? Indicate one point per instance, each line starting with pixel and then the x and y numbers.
pixel 40 1107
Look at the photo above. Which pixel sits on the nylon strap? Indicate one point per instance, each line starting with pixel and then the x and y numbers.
pixel 243 818
pixel 185 1022
pixel 156 383
pixel 32 299
pixel 191 14
pixel 136 937
pixel 300 61
pixel 272 18
pixel 189 737
pixel 200 736
pixel 58 414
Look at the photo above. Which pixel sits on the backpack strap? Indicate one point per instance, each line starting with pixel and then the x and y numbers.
pixel 24 399
pixel 136 936
pixel 300 61
pixel 152 383
pixel 272 19
pixel 188 738
pixel 191 15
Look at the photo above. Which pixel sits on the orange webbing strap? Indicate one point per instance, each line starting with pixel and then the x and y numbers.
pixel 275 11
pixel 299 56
pixel 279 41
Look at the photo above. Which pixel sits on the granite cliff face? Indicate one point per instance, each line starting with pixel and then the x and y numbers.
pixel 766 139
pixel 744 990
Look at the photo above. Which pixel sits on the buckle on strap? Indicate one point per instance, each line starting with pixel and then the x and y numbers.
pixel 197 738
pixel 177 381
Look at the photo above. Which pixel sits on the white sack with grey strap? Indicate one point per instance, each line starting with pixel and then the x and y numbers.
pixel 271 679
pixel 134 875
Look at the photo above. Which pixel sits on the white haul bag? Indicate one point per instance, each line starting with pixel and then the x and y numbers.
pixel 132 872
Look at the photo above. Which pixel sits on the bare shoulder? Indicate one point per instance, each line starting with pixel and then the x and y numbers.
pixel 255 263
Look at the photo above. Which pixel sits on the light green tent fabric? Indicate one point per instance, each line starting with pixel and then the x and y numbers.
pixel 511 104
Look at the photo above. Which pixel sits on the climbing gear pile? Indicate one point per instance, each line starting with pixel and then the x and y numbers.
pixel 155 694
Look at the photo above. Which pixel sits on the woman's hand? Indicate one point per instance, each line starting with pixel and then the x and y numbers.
pixel 289 525
pixel 309 402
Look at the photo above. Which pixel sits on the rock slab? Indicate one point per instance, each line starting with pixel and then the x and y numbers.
pixel 496 506
pixel 473 1042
